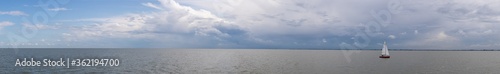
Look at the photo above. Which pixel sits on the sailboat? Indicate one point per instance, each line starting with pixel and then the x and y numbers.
pixel 385 52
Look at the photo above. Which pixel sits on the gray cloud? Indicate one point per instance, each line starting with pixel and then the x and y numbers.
pixel 305 24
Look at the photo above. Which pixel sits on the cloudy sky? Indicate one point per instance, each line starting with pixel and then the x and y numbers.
pixel 324 24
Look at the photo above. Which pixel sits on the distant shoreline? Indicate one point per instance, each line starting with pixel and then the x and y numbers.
pixel 413 49
pixel 272 49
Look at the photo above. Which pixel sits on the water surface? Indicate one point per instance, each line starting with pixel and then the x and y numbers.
pixel 261 61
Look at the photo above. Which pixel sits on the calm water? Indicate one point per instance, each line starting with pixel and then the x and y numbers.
pixel 261 61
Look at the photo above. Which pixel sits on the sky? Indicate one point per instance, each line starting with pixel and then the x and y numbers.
pixel 249 24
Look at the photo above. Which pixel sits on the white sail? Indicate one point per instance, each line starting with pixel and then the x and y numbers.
pixel 385 51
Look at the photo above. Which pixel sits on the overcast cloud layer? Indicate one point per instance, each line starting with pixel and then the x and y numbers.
pixel 326 24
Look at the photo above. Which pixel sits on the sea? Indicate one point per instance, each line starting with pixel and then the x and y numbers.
pixel 253 61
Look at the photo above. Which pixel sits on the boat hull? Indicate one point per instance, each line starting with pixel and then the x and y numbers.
pixel 384 56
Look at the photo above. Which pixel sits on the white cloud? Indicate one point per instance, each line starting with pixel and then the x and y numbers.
pixel 152 6
pixel 176 19
pixel 392 36
pixel 14 13
pixel 415 32
pixel 58 9
pixel 116 27
pixel 40 26
pixel 5 23
pixel 177 22
pixel 278 22
pixel 403 33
